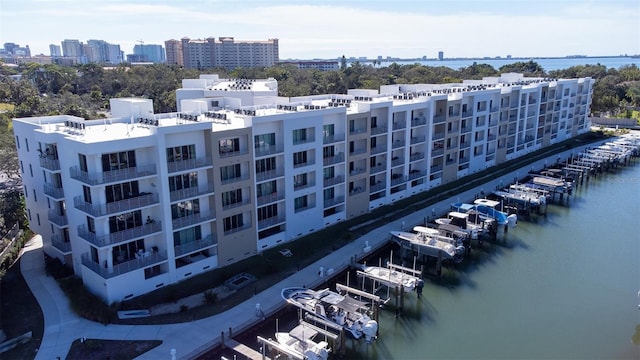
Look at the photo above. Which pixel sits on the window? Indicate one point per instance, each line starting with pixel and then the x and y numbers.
pixel 125 221
pixel 266 188
pixel 374 122
pixel 328 130
pixel 328 172
pixel 300 203
pixel 187 236
pixel 226 146
pixel 299 180
pixel 264 165
pixel 329 194
pixel 86 192
pixel 119 160
pixel 230 172
pixel 18 142
pixel 180 153
pixel 233 222
pixel 299 158
pixel 82 161
pixel 26 141
pixel 264 141
pixel 231 197
pixel 299 136
pixel 124 252
pixel 268 211
pixel 35 196
pixel 183 181
pixel 328 151
pixel 38 217
pixel 91 225
pixel 21 167
pixel 185 208
pixel 121 191
pixel 31 170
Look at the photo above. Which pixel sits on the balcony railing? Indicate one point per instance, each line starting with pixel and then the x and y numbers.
pixel 397 179
pixel 397 144
pixel 333 201
pixel 119 236
pixel 435 168
pixel 397 161
pixel 306 140
pixel 467 113
pixel 418 122
pixel 358 151
pixel 237 229
pixel 417 139
pixel 302 164
pixel 437 152
pixel 332 139
pixel 236 204
pixel 195 245
pixel 192 219
pixel 125 267
pixel 414 174
pixel 438 136
pixel 53 191
pixel 49 163
pixel 379 130
pixel 270 198
pixel 399 125
pixel 269 174
pixel 333 180
pixel 439 119
pixel 378 150
pixel 112 176
pixel 268 150
pixel 269 222
pixel 416 156
pixel 378 168
pixel 189 164
pixel 126 205
pixel 226 154
pixel 330 160
pixel 241 177
pixel 190 192
pixel 60 220
pixel 58 243
pixel 308 184
pixel 359 130
pixel 377 187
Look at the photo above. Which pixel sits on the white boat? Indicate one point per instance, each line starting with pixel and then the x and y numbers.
pixel 459 221
pixel 342 310
pixel 300 341
pixel 391 277
pixel 490 209
pixel 430 242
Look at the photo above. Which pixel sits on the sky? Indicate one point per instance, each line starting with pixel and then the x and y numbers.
pixel 329 29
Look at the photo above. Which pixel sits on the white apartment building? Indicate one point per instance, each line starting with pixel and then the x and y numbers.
pixel 142 200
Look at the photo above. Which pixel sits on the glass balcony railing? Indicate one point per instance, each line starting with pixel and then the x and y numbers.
pixel 60 220
pixel 151 259
pixel 195 245
pixel 126 205
pixel 53 191
pixel 58 243
pixel 49 163
pixel 119 236
pixel 106 177
pixel 176 195
pixel 192 219
pixel 189 164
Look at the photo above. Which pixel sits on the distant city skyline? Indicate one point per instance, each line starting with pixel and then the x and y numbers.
pixel 401 29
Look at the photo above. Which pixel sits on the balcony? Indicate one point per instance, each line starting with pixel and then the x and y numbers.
pixel 417 139
pixel 53 191
pixel 306 140
pixel 439 119
pixel 302 164
pixel 416 156
pixel 268 150
pixel 192 219
pixel 378 150
pixel 378 168
pixel 189 164
pixel 195 245
pixel 333 201
pixel 435 168
pixel 379 130
pixel 330 160
pixel 270 198
pixel 397 144
pixel 58 243
pixel 418 122
pixel 397 179
pixel 356 171
pixel 272 221
pixel 399 125
pixel 106 177
pixel 231 153
pixel 466 114
pixel 125 267
pixel 359 130
pixel 269 174
pixel 127 205
pixel 60 220
pixel 309 183
pixel 437 152
pixel 466 143
pixel 237 229
pixel 438 136
pixel 379 186
pixel 236 204
pixel 191 192
pixel 358 151
pixel 241 177
pixel 333 181
pixel 414 174
pixel 356 190
pixel 330 139
pixel 47 162
pixel 119 236
pixel 396 161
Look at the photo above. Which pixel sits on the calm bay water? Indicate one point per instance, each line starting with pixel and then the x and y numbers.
pixel 561 287
pixel 547 64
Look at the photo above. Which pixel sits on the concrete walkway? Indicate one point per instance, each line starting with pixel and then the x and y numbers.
pixel 63 326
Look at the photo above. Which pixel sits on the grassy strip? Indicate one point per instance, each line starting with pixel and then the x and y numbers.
pixel 110 349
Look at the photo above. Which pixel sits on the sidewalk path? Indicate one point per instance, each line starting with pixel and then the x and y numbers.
pixel 62 326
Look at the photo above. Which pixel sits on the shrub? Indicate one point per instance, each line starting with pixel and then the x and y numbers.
pixel 183 308
pixel 210 297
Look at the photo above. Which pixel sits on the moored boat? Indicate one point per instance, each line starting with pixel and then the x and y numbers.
pixel 342 310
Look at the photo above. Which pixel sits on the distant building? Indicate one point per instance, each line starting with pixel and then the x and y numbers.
pixel 141 200
pixel 173 50
pixel 317 65
pixel 72 48
pixel 55 50
pixel 13 53
pixel 149 53
pixel 440 55
pixel 223 52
